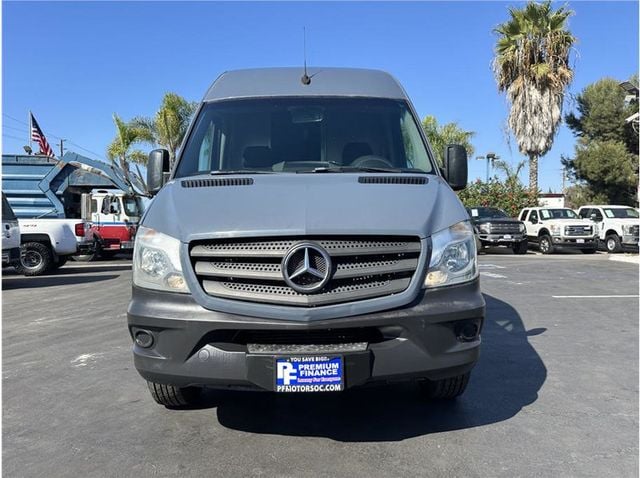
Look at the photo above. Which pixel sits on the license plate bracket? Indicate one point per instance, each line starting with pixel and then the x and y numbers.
pixel 309 373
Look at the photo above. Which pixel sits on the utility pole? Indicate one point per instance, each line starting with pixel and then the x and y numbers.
pixel 564 178
pixel 62 146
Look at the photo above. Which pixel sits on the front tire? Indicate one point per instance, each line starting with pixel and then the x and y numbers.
pixel 612 243
pixel 521 247
pixel 446 388
pixel 35 259
pixel 546 244
pixel 173 397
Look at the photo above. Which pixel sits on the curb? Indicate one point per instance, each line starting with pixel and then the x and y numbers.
pixel 629 258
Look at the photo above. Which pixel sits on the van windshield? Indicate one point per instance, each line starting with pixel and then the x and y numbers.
pixel 298 135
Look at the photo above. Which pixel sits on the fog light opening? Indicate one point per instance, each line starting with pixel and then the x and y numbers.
pixel 467 331
pixel 144 339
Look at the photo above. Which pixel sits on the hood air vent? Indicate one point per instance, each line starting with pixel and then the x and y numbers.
pixel 215 182
pixel 392 180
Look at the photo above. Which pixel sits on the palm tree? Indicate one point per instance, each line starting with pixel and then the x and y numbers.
pixel 119 151
pixel 441 135
pixel 531 66
pixel 169 125
pixel 511 172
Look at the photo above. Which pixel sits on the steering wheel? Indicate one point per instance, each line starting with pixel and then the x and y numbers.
pixel 371 161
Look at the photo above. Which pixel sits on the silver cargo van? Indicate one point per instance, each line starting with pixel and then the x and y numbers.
pixel 306 240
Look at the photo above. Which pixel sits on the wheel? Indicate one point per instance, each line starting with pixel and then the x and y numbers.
pixel 521 247
pixel 612 243
pixel 588 251
pixel 446 388
pixel 35 259
pixel 57 264
pixel 171 396
pixel 546 245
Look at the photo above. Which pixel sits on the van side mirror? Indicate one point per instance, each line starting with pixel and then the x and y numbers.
pixel 157 166
pixel 455 166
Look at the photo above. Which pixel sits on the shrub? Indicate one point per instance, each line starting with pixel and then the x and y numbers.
pixel 510 196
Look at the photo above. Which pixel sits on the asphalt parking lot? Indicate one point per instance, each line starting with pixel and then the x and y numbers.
pixel 555 392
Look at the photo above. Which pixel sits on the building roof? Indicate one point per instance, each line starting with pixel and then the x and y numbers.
pixel 266 82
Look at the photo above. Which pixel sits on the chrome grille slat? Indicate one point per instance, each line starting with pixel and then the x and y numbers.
pixel 279 248
pixel 250 269
pixel 272 271
pixel 578 230
pixel 275 293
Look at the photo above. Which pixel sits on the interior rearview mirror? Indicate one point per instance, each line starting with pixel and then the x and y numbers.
pixel 157 166
pixel 455 166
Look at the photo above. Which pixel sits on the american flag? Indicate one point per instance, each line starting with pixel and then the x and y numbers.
pixel 38 136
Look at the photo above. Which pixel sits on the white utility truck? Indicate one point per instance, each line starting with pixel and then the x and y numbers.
pixel 617 225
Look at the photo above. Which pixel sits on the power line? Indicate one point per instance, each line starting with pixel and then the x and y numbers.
pixel 22 130
pixel 11 136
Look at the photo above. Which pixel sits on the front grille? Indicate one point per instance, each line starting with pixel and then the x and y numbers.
pixel 578 230
pixel 505 228
pixel 634 230
pixel 363 267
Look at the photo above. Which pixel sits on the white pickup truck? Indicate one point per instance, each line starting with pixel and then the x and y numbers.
pixel 48 243
pixel 618 225
pixel 560 227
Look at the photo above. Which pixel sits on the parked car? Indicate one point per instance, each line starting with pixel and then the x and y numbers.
pixel 47 244
pixel 10 235
pixel 306 241
pixel 494 227
pixel 617 225
pixel 560 227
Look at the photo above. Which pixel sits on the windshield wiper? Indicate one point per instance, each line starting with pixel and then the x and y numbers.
pixel 238 171
pixel 363 169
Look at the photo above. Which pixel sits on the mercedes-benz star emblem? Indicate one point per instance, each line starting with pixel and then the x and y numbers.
pixel 306 267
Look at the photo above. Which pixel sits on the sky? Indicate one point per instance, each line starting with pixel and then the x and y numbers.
pixel 75 64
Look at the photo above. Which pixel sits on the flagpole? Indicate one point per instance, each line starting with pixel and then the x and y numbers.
pixel 30 128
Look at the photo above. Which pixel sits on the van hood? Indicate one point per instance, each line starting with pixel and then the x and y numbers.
pixel 303 204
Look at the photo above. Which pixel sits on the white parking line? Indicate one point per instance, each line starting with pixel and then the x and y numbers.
pixel 493 275
pixel 594 296
pixel 95 264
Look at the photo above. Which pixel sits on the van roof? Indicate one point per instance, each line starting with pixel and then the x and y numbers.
pixel 269 82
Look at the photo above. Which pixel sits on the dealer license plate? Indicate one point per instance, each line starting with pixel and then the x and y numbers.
pixel 580 241
pixel 308 373
pixel 507 236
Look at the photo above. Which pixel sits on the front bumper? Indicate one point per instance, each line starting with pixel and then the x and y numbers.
pixel 195 346
pixel 629 240
pixel 577 242
pixel 10 256
pixel 501 239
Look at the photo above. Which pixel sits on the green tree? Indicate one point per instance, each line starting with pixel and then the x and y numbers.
pixel 531 66
pixel 441 135
pixel 510 196
pixel 580 195
pixel 120 150
pixel 169 125
pixel 605 161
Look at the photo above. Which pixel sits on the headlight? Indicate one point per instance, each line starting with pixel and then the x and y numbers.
pixel 555 230
pixel 595 229
pixel 453 257
pixel 485 228
pixel 156 262
pixel 522 227
pixel 627 229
